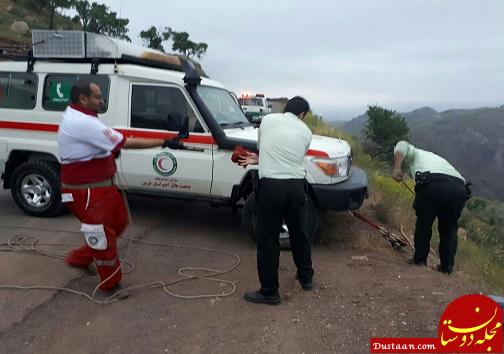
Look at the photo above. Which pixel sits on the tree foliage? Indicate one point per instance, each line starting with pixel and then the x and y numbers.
pixel 53 5
pixel 98 18
pixel 476 204
pixel 154 39
pixel 384 128
pixel 50 5
pixel 181 43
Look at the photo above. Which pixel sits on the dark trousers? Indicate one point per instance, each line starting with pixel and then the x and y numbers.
pixel 280 199
pixel 444 198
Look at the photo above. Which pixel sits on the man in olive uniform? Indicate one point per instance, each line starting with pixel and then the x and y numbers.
pixel 440 192
pixel 283 142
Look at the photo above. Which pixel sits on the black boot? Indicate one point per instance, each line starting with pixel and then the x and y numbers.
pixel 417 263
pixel 446 271
pixel 257 297
pixel 307 285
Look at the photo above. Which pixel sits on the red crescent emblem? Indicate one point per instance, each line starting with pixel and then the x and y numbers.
pixel 160 163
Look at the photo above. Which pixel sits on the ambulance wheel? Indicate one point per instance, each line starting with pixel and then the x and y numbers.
pixel 35 187
pixel 249 221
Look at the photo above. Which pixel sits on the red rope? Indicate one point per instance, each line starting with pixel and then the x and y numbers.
pixel 366 220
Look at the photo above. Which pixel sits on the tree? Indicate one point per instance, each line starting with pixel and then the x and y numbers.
pixel 154 39
pixel 385 128
pixel 83 13
pixel 182 44
pixel 98 18
pixel 54 5
pixel 50 5
pixel 180 41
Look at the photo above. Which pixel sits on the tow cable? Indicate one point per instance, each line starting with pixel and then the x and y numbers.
pixel 31 245
pixel 401 243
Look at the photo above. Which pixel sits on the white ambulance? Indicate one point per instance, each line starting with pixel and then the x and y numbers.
pixel 254 106
pixel 152 95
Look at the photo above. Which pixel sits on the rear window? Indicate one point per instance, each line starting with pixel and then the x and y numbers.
pixel 57 89
pixel 18 90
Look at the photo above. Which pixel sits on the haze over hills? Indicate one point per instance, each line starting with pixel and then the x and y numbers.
pixel 471 139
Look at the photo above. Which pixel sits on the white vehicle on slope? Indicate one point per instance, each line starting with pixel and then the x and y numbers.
pixel 148 94
pixel 255 106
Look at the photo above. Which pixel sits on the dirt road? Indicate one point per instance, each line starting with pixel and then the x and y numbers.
pixel 362 289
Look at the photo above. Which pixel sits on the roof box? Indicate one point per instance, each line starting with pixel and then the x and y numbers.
pixel 86 45
pixel 79 44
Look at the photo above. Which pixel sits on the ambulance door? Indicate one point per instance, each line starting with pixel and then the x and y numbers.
pixel 159 111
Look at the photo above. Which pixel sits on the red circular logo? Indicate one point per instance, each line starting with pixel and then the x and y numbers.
pixel 471 324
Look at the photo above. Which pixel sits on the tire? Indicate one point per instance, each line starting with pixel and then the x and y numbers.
pixel 249 221
pixel 35 187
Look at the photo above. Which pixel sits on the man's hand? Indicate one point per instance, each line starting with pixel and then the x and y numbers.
pixel 173 144
pixel 397 174
pixel 249 159
pixel 396 171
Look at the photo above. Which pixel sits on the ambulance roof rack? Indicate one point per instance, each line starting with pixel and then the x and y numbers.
pixel 80 46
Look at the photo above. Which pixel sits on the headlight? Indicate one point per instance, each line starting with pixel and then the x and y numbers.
pixel 337 167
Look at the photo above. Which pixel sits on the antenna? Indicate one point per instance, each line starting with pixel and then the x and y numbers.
pixel 117 39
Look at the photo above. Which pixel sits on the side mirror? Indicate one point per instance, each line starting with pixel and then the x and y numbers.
pixel 270 106
pixel 184 131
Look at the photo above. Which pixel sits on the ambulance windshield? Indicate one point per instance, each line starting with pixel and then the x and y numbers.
pixel 251 101
pixel 222 106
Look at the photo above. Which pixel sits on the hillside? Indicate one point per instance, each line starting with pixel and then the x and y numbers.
pixel 472 139
pixel 16 21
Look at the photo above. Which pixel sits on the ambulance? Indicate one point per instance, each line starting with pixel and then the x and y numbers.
pixel 148 94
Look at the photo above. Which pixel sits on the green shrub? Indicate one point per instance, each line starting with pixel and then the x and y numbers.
pixel 392 201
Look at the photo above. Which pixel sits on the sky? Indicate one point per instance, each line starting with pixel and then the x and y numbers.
pixel 343 55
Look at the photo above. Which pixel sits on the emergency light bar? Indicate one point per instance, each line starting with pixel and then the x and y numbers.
pixel 248 95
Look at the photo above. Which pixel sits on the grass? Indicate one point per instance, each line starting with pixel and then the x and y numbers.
pixel 389 200
pixel 480 255
pixel 472 260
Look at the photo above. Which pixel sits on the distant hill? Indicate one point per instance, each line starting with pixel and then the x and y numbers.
pixel 419 116
pixel 471 139
pixel 338 123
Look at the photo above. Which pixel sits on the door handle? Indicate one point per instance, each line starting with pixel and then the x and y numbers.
pixel 192 148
